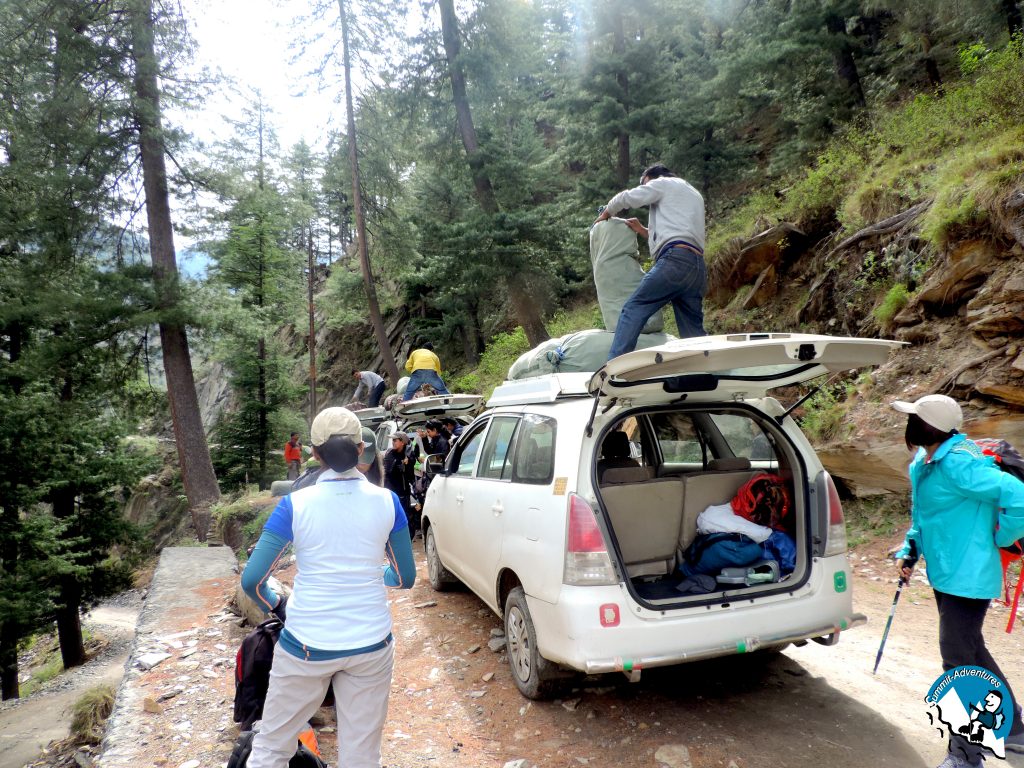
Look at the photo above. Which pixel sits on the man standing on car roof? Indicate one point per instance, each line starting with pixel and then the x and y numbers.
pixel 676 239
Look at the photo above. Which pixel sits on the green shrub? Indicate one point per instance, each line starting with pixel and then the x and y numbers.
pixel 90 714
pixel 876 517
pixel 823 415
pixel 895 299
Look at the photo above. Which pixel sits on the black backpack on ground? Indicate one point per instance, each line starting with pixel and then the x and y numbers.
pixel 252 671
pixel 303 757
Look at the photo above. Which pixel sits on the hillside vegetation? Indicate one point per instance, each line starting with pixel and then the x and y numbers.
pixel 960 150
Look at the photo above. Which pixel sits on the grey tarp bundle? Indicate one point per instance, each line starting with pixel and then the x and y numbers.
pixel 581 351
pixel 617 272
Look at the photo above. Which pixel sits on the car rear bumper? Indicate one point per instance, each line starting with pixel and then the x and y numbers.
pixel 828 634
pixel 577 633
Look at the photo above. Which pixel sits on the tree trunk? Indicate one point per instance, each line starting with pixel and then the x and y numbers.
pixel 10 632
pixel 622 78
pixel 1011 10
pixel 9 686
pixel 311 269
pixel 197 473
pixel 842 53
pixel 69 623
pixel 526 310
pixel 390 366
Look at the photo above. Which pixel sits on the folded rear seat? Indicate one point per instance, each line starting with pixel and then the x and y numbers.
pixel 645 514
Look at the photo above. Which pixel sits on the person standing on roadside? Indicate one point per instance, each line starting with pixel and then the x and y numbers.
pixel 337 626
pixel 371 384
pixel 293 455
pixel 675 235
pixel 399 475
pixel 424 368
pixel 963 508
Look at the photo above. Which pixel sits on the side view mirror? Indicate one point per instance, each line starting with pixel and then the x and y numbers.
pixel 434 464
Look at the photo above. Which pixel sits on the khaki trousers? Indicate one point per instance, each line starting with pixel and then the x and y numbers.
pixel 361 687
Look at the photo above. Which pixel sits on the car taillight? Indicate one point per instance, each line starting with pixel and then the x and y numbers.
pixel 836 542
pixel 584 535
pixel 586 555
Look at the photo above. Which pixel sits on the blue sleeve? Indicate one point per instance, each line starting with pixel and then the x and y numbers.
pixel 401 568
pixel 280 520
pixel 264 557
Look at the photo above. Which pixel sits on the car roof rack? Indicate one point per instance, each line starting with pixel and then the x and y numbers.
pixel 540 389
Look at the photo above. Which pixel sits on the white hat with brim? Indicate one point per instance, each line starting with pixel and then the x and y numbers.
pixel 938 411
pixel 331 422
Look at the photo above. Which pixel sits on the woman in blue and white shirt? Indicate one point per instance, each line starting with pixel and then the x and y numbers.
pixel 338 625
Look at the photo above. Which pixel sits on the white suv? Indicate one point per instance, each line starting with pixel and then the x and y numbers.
pixel 579 547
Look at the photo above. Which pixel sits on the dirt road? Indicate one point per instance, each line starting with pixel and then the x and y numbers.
pixel 808 706
pixel 454 704
pixel 29 725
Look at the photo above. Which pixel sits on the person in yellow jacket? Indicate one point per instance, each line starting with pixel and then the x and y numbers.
pixel 424 367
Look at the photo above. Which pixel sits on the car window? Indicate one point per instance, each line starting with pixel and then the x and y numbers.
pixel 745 436
pixel 466 450
pixel 535 450
pixel 495 461
pixel 678 438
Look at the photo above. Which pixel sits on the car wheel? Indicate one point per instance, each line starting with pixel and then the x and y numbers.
pixel 441 579
pixel 535 676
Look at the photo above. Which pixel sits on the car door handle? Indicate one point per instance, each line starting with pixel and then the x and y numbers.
pixel 459 498
pixel 497 507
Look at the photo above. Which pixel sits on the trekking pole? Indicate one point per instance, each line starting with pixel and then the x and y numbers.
pixel 912 560
pixel 888 623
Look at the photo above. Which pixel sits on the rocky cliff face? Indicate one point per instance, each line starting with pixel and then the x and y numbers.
pixel 962 318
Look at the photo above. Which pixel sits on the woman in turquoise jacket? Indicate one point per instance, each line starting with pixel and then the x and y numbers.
pixel 963 509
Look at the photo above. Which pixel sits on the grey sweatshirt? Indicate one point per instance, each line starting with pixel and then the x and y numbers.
pixel 677 211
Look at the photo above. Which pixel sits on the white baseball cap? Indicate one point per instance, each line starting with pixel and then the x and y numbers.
pixel 937 411
pixel 334 421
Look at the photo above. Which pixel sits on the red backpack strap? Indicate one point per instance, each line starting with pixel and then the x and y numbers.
pixel 1013 602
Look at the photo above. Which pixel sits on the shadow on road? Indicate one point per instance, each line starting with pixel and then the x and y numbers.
pixel 768 710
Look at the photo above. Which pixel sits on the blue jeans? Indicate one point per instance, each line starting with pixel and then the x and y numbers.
pixel 424 376
pixel 679 276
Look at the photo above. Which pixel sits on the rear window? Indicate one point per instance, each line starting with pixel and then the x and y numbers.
pixel 677 437
pixel 535 451
pixel 745 437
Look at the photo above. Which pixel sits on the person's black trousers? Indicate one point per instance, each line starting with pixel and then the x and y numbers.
pixel 962 645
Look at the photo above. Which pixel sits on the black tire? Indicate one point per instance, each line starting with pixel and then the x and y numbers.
pixel 536 677
pixel 441 579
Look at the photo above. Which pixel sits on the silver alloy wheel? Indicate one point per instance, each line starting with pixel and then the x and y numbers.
pixel 433 561
pixel 518 639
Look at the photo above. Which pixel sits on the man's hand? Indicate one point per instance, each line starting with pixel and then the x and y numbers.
pixel 281 609
pixel 905 568
pixel 636 226
pixel 603 216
